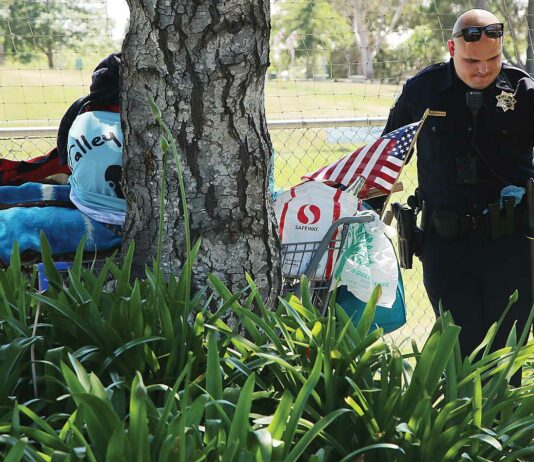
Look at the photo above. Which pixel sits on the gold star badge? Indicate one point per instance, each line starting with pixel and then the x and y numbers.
pixel 506 101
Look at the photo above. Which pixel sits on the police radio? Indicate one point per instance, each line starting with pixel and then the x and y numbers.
pixel 474 100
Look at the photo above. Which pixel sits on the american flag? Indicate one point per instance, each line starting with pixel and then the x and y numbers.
pixel 379 163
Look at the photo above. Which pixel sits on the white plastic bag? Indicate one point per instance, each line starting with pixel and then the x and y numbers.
pixel 304 214
pixel 367 259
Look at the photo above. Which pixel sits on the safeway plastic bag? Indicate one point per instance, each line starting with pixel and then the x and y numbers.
pixel 368 258
pixel 304 214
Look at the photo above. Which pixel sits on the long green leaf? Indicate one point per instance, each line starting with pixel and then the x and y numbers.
pixel 101 422
pixel 279 421
pixel 368 315
pixel 351 457
pixel 16 453
pixel 306 439
pixel 52 274
pixel 301 401
pixel 240 427
pixel 138 429
pixel 213 375
pixel 126 347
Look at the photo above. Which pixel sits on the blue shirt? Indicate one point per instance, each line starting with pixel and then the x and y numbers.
pixel 95 157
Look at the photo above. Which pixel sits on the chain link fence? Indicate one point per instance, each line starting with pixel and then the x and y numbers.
pixel 25 143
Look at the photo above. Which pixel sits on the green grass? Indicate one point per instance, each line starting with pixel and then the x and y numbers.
pixel 39 97
pixel 302 100
pixel 42 95
pixel 33 98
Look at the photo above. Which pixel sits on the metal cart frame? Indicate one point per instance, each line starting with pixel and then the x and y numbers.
pixel 306 257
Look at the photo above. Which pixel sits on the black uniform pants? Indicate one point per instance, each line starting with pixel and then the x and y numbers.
pixel 474 276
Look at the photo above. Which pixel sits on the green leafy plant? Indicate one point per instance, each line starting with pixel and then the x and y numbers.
pixel 101 367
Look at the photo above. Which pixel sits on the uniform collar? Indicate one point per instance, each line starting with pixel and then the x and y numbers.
pixel 450 79
pixel 501 82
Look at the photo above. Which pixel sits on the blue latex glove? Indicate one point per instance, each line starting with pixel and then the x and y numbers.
pixel 517 192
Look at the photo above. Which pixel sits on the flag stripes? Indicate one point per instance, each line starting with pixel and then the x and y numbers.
pixel 379 162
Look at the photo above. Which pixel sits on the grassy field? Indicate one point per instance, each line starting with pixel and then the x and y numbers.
pixel 40 97
pixel 302 100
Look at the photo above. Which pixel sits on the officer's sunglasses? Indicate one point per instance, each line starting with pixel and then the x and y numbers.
pixel 473 33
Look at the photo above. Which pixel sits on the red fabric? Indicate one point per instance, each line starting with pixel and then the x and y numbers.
pixel 100 107
pixel 14 173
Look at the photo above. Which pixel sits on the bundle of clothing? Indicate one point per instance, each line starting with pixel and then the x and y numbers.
pixel 91 204
pixel 44 168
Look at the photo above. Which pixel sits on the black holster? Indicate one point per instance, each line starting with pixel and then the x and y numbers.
pixel 410 236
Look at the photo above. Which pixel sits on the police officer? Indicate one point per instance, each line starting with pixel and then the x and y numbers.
pixel 478 140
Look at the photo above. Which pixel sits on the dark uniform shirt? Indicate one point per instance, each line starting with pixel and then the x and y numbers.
pixel 504 138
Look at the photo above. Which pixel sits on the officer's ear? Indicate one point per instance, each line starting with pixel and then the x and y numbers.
pixel 450 46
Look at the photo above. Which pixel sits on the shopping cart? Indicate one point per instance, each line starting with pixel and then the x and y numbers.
pixel 317 260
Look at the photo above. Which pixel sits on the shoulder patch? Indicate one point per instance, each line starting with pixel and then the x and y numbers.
pixel 395 101
pixel 431 68
pixel 434 73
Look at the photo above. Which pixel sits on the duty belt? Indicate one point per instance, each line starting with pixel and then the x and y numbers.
pixel 495 223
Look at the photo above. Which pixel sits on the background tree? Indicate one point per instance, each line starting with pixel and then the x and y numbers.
pixel 51 27
pixel 319 30
pixel 438 18
pixel 530 32
pixel 204 64
pixel 372 24
pixel 3 30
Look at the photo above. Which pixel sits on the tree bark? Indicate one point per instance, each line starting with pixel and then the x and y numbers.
pixel 50 58
pixel 204 64
pixel 364 37
pixel 359 27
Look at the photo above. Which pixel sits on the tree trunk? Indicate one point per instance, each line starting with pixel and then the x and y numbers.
pixel 530 38
pixel 358 25
pixel 204 64
pixel 50 58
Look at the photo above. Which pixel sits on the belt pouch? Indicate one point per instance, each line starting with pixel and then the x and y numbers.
pixel 502 222
pixel 509 216
pixel 446 223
